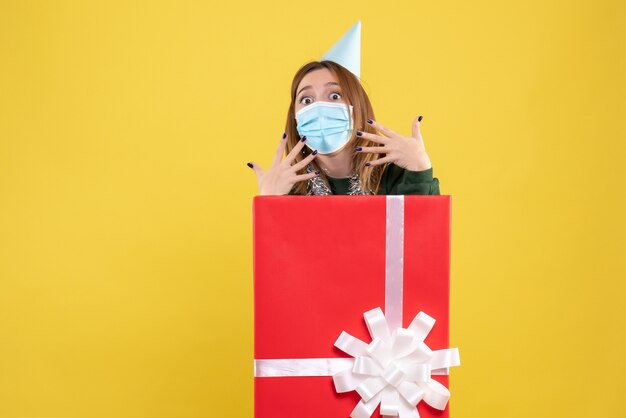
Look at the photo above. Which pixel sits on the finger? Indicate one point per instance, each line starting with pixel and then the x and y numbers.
pixel 379 161
pixel 296 149
pixel 305 161
pixel 280 151
pixel 257 168
pixel 416 127
pixel 373 137
pixel 386 131
pixel 306 176
pixel 373 150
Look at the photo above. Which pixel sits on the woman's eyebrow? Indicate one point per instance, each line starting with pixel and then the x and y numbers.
pixel 330 83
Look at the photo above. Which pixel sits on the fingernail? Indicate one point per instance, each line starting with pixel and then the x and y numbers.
pixel 367 164
pixel 359 133
pixel 370 121
pixel 284 135
pixel 317 173
pixel 249 165
pixel 419 119
pixel 303 139
pixel 314 152
pixel 359 148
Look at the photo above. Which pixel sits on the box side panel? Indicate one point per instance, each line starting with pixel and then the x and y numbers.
pixel 427 263
pixel 319 264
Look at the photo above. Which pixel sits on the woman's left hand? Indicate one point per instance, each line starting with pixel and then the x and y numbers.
pixel 405 151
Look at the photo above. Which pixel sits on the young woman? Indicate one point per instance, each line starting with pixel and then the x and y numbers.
pixel 327 155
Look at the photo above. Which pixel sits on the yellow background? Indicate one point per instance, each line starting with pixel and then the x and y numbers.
pixel 125 201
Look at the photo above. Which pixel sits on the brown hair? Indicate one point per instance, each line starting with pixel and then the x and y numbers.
pixel 355 95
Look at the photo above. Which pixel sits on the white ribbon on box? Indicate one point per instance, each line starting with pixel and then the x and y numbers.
pixel 395 368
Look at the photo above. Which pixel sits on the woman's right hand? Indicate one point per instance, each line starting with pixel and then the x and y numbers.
pixel 281 176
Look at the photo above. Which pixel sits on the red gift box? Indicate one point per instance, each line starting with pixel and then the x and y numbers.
pixel 320 262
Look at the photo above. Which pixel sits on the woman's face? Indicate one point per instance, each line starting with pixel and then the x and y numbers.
pixel 318 86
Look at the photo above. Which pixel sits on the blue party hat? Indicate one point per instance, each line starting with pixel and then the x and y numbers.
pixel 347 50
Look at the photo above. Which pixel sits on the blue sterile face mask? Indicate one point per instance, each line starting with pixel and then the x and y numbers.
pixel 327 126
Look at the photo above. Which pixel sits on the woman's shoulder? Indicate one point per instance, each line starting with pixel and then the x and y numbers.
pixel 398 180
pixel 393 173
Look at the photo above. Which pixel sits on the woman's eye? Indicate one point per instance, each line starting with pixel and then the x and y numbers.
pixel 333 95
pixel 306 100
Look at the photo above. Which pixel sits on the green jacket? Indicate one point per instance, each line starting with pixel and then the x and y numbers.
pixel 395 181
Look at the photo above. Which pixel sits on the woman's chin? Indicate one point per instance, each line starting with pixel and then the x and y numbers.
pixel 336 152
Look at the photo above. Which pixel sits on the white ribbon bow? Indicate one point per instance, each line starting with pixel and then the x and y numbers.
pixel 394 370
